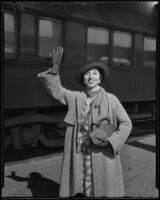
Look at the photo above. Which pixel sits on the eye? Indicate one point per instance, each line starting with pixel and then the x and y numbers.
pixel 95 72
pixel 87 73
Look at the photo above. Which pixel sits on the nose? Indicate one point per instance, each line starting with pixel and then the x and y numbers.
pixel 90 75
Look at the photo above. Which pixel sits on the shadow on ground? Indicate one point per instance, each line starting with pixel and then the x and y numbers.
pixel 147 147
pixel 39 185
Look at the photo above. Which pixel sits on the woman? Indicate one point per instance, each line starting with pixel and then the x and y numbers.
pixel 91 160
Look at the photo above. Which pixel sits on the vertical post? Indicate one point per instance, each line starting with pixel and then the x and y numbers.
pixel 157 94
pixel 2 100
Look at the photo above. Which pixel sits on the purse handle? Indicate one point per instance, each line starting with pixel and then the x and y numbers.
pixel 101 120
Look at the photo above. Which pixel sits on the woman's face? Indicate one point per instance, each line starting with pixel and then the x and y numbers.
pixel 92 78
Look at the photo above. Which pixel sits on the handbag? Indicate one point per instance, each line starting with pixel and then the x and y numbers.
pixel 108 128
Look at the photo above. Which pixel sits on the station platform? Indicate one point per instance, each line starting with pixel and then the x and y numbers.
pixel 40 176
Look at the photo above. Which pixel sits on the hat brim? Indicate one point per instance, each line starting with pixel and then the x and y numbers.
pixel 103 69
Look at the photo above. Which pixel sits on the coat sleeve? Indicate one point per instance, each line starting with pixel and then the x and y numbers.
pixel 118 138
pixel 53 85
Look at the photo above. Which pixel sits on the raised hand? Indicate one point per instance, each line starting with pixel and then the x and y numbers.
pixel 57 57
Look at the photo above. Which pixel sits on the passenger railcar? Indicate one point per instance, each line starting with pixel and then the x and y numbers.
pixel 121 34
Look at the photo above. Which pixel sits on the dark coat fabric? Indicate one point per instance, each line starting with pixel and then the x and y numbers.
pixel 106 164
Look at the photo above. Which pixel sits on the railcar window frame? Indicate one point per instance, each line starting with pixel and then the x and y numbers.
pixel 12 56
pixel 23 57
pixel 143 64
pixel 52 19
pixel 98 27
pixel 76 49
pixel 122 65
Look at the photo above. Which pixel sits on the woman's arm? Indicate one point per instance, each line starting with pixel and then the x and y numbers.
pixel 119 137
pixel 53 86
pixel 51 80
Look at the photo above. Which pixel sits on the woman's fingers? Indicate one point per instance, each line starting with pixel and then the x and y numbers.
pixel 60 52
pixel 57 55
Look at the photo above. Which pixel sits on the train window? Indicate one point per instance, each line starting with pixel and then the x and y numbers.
pixel 27 36
pixel 97 44
pixel 122 43
pixel 75 43
pixel 9 36
pixel 50 36
pixel 149 52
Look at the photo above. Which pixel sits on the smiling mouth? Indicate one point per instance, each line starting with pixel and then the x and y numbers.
pixel 91 82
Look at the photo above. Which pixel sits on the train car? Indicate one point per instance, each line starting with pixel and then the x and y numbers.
pixel 120 34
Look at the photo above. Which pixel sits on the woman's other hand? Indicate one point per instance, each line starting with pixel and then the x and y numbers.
pixel 98 138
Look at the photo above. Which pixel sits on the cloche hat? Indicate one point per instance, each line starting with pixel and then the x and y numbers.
pixel 103 69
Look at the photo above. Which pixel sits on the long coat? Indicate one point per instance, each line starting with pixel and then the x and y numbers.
pixel 106 164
